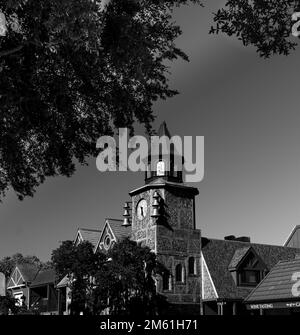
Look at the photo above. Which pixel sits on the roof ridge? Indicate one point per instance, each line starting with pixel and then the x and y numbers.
pixel 251 243
pixel 90 229
pixel 114 219
pixel 288 261
pixel 291 234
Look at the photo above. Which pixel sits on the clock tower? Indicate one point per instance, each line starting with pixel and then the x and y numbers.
pixel 163 218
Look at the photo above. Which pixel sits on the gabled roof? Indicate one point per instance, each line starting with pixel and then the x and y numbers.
pixel 90 235
pixel 64 282
pixel 219 254
pixel 238 256
pixel 295 234
pixel 22 274
pixel 28 271
pixel 44 277
pixel 277 285
pixel 163 130
pixel 118 229
pixel 241 254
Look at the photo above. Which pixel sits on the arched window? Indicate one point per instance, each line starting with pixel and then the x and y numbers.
pixel 166 281
pixel 192 266
pixel 179 273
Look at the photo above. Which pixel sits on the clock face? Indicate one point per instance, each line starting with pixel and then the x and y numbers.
pixel 141 209
pixel 160 168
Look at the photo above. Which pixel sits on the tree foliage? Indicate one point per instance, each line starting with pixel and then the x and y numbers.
pixel 8 305
pixel 80 264
pixel 73 70
pixel 126 286
pixel 121 281
pixel 265 24
pixel 8 263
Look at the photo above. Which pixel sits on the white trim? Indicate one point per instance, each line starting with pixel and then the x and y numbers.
pixel 11 279
pixel 78 237
pixel 202 275
pixel 113 237
pixel 12 287
pixel 291 235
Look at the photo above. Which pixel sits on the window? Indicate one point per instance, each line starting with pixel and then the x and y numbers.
pixel 250 277
pixel 107 241
pixel 179 273
pixel 192 266
pixel 166 281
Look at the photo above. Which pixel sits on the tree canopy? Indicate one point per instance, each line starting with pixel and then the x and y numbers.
pixel 264 24
pixel 8 263
pixel 8 305
pixel 126 286
pixel 121 281
pixel 73 70
pixel 80 264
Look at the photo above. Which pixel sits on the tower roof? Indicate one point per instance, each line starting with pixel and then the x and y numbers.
pixel 168 150
pixel 163 130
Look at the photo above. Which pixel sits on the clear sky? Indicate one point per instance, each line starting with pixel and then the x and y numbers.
pixel 248 110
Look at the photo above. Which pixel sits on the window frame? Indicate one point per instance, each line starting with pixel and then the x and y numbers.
pixel 182 274
pixel 192 267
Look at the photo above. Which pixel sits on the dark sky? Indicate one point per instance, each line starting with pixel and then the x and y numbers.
pixel 248 110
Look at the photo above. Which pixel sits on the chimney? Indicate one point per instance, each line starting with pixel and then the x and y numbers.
pixel 229 238
pixel 238 239
pixel 243 239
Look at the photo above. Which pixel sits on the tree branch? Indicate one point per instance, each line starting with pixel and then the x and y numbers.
pixel 11 51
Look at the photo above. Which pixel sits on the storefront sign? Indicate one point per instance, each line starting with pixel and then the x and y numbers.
pixel 275 305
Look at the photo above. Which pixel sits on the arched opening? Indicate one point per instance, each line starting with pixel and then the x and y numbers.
pixel 166 279
pixel 179 273
pixel 192 266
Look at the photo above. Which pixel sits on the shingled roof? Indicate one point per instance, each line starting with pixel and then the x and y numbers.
pixel 28 271
pixel 44 277
pixel 118 229
pixel 239 254
pixel 90 235
pixel 277 285
pixel 294 238
pixel 221 254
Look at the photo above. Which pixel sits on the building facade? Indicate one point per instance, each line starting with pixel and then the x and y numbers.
pixel 202 275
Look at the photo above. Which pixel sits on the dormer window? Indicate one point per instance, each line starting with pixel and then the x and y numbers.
pixel 250 277
pixel 247 268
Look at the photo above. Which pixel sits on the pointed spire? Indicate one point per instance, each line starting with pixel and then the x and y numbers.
pixel 163 130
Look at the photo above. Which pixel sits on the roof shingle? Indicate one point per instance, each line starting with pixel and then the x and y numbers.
pixel 277 285
pixel 118 229
pixel 218 255
pixel 90 235
pixel 44 277
pixel 28 271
